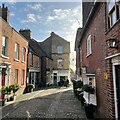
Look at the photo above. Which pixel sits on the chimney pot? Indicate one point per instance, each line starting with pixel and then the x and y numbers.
pixel 3 6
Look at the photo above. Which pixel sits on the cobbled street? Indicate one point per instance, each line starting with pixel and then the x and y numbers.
pixel 48 103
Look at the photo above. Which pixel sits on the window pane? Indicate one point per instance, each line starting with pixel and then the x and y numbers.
pixel 23 75
pixel 113 18
pixel 59 49
pixel 60 63
pixel 111 4
pixel 23 54
pixel 16 76
pixel 5 46
pixel 89 51
pixel 16 51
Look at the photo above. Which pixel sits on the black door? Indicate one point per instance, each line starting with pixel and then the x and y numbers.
pixel 117 70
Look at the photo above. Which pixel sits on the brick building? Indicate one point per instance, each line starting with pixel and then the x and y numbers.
pixel 39 62
pixel 13 53
pixel 59 50
pixel 99 46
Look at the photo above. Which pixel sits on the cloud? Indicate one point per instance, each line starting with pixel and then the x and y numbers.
pixel 31 18
pixel 35 6
pixel 12 14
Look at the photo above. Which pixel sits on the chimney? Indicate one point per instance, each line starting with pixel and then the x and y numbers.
pixel 26 33
pixel 4 13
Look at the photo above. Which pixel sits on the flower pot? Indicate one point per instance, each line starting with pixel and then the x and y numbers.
pixel 89 111
pixel 3 102
pixel 82 100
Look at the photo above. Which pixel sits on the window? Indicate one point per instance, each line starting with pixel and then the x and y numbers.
pixel 89 51
pixel 17 51
pixel 59 49
pixel 4 46
pixel 80 54
pixel 23 54
pixel 92 81
pixel 23 77
pixel 60 63
pixel 31 59
pixel 113 12
pixel 16 76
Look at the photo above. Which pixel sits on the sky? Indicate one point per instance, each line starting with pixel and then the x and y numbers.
pixel 42 18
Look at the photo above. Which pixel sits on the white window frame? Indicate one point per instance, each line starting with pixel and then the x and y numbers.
pixel 60 49
pixel 60 61
pixel 5 45
pixel 16 51
pixel 15 75
pixel 89 46
pixel 23 54
pixel 23 77
pixel 113 12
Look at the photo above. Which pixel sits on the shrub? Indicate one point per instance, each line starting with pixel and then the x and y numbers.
pixel 29 87
pixel 88 88
pixel 15 87
pixel 4 90
pixel 9 89
pixel 78 84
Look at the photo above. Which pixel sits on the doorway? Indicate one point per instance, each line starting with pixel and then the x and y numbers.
pixel 117 76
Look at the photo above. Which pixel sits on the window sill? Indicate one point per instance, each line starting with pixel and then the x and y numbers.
pixel 3 56
pixel 88 55
pixel 23 62
pixel 17 60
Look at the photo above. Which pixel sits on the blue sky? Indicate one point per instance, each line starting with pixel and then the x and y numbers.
pixel 42 18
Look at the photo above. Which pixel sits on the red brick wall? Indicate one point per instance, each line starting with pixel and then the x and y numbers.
pixel 104 88
pixel 13 37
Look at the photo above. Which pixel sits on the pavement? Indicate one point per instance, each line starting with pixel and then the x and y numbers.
pixel 47 103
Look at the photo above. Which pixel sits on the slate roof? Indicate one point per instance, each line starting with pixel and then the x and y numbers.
pixel 36 48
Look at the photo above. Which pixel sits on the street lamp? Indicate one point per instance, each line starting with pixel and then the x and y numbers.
pixel 112 43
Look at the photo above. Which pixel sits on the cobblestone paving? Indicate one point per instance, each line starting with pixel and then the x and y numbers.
pixel 51 103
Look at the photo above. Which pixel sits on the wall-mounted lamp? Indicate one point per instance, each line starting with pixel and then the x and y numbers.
pixel 112 43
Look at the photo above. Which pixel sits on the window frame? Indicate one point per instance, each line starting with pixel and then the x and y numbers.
pixel 5 46
pixel 16 50
pixel 23 77
pixel 15 75
pixel 60 62
pixel 60 49
pixel 115 9
pixel 89 45
pixel 23 54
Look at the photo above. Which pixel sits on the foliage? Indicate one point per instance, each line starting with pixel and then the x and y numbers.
pixel 15 87
pixel 4 90
pixel 78 84
pixel 88 88
pixel 9 89
pixel 29 87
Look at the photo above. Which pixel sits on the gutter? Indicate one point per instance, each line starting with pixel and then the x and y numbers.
pixel 95 5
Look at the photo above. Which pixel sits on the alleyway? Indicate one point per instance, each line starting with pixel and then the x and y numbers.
pixel 49 103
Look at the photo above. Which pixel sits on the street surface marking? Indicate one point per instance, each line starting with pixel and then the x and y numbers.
pixel 28 113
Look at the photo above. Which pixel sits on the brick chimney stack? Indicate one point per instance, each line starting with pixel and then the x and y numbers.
pixel 26 33
pixel 4 13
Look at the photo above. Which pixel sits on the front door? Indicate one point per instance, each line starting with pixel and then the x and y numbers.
pixel 3 76
pixel 117 71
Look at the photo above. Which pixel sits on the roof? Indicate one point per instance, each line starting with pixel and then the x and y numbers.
pixel 89 19
pixel 52 33
pixel 77 37
pixel 34 45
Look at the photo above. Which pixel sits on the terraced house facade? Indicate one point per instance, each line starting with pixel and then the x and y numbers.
pixel 99 48
pixel 13 53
